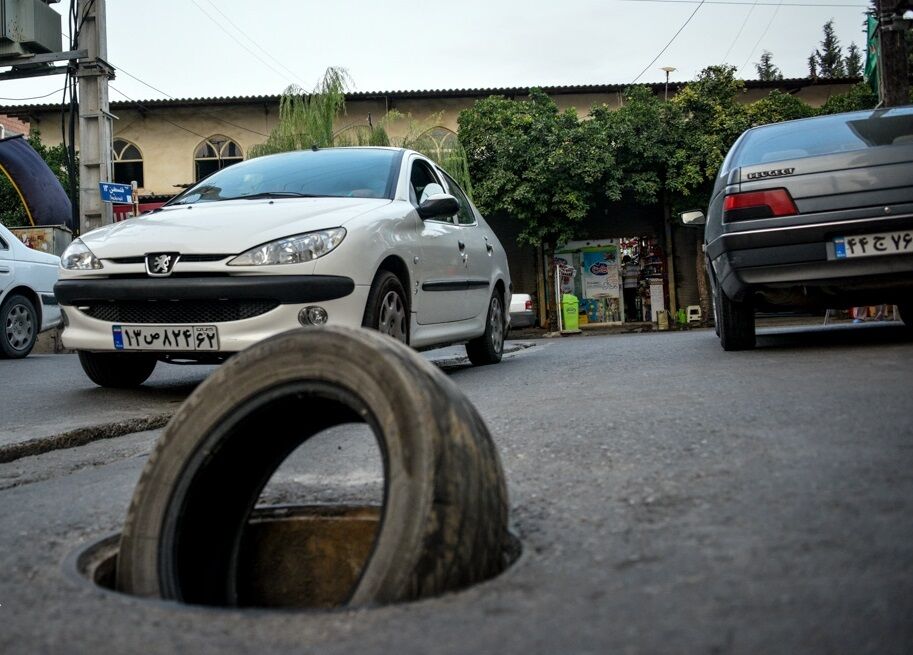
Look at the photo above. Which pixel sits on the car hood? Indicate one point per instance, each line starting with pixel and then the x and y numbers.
pixel 225 227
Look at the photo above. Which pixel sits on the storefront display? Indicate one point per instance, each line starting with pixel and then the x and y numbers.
pixel 615 280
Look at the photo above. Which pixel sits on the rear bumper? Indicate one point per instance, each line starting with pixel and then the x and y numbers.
pixel 795 265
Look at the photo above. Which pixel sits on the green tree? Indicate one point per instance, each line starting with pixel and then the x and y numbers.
pixel 767 72
pixel 860 96
pixel 853 61
pixel 776 107
pixel 829 58
pixel 12 212
pixel 534 163
pixel 812 66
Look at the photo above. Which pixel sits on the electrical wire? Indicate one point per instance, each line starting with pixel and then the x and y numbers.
pixel 760 38
pixel 736 2
pixel 739 33
pixel 46 95
pixel 142 107
pixel 674 36
pixel 257 45
pixel 233 38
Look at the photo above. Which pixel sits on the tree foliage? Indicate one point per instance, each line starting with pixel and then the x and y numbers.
pixel 12 212
pixel 777 107
pixel 767 72
pixel 829 57
pixel 535 163
pixel 307 120
pixel 853 61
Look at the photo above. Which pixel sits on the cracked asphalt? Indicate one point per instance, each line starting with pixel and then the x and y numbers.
pixel 670 498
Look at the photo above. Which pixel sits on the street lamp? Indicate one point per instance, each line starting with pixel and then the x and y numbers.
pixel 667 69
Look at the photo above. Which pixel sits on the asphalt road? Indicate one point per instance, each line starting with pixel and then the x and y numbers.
pixel 670 498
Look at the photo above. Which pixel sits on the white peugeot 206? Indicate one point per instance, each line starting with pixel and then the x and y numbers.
pixel 374 237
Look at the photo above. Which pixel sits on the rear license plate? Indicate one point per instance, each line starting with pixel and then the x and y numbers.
pixel 872 245
pixel 166 337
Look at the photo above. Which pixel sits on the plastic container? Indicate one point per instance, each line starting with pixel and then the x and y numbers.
pixel 570 307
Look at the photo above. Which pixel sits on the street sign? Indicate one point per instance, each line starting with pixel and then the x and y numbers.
pixel 117 193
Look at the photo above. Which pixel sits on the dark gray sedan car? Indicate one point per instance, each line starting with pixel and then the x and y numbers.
pixel 812 214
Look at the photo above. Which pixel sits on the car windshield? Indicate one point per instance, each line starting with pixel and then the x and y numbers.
pixel 333 173
pixel 825 135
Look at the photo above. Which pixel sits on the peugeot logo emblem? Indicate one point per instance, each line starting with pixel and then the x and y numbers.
pixel 160 264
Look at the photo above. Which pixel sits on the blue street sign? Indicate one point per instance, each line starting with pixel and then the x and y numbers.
pixel 121 194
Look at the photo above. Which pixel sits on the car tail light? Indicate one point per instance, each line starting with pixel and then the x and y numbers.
pixel 758 204
pixel 529 305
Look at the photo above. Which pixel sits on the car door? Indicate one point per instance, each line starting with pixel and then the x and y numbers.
pixel 442 267
pixel 477 251
pixel 7 265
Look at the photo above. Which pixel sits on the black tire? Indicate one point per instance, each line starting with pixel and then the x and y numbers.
pixel 489 348
pixel 117 370
pixel 716 312
pixel 905 310
pixel 737 325
pixel 444 521
pixel 18 327
pixel 387 309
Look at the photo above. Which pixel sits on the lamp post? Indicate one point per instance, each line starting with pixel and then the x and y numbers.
pixel 667 69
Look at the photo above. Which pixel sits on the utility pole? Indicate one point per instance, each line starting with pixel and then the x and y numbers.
pixel 95 128
pixel 667 69
pixel 894 86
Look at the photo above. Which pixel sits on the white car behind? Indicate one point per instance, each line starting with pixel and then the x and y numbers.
pixel 27 302
pixel 374 237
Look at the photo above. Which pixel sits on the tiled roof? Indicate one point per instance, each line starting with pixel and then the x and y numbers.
pixel 793 83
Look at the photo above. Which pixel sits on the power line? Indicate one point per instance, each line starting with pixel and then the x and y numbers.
pixel 233 38
pixel 143 107
pixel 739 33
pixel 257 45
pixel 170 97
pixel 46 95
pixel 763 4
pixel 760 38
pixel 674 36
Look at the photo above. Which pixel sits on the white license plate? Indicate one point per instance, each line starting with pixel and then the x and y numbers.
pixel 181 338
pixel 872 245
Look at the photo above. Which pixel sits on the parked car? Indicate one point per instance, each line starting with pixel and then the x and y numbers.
pixel 27 302
pixel 376 237
pixel 812 214
pixel 522 313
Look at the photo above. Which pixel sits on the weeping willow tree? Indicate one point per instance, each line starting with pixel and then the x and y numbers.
pixel 309 120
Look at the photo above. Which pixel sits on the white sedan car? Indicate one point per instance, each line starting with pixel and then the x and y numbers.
pixel 375 237
pixel 27 303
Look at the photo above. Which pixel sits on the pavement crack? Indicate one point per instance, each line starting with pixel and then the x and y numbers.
pixel 81 437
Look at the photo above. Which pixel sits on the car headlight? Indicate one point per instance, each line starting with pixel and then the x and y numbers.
pixel 78 257
pixel 292 250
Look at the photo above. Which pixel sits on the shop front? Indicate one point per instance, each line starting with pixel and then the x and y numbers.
pixel 616 280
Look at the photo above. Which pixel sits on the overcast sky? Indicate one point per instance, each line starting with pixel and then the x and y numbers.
pixel 202 48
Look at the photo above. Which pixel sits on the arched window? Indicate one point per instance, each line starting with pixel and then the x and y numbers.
pixel 214 154
pixel 438 142
pixel 128 163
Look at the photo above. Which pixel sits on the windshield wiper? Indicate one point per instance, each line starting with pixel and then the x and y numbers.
pixel 276 194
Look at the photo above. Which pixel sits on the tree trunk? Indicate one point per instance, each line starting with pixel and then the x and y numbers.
pixel 550 289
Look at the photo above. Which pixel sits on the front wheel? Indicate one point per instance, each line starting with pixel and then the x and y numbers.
pixel 488 348
pixel 387 311
pixel 117 370
pixel 736 323
pixel 19 324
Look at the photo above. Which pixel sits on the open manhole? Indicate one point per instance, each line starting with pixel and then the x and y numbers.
pixel 320 468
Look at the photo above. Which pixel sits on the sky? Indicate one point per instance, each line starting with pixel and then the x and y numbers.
pixel 214 48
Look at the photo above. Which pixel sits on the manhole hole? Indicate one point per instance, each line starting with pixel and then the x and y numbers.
pixel 303 557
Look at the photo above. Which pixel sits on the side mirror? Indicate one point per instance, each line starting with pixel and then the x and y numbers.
pixel 693 218
pixel 438 205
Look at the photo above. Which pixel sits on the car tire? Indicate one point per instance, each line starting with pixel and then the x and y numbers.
pixel 387 309
pixel 444 520
pixel 489 348
pixel 906 315
pixel 18 327
pixel 737 323
pixel 117 370
pixel 716 312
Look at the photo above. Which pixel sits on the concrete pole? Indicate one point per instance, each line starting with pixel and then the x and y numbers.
pixel 894 88
pixel 95 129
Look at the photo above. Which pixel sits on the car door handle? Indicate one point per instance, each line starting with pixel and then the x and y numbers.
pixel 489 247
pixel 461 245
pixel 4 269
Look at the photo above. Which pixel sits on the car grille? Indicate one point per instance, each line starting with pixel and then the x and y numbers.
pixel 179 311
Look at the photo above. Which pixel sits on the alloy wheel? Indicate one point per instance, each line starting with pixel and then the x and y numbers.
pixel 19 327
pixel 496 322
pixel 392 319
